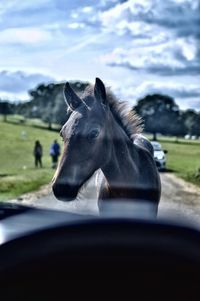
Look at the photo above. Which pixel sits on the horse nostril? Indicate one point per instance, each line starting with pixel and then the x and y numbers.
pixel 58 190
pixel 64 192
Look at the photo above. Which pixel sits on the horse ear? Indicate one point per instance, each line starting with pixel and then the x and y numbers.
pixel 100 91
pixel 70 97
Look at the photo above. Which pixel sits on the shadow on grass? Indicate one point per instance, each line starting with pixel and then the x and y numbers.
pixel 43 127
pixel 187 142
pixel 169 170
pixel 3 175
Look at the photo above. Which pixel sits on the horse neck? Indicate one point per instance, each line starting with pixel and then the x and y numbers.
pixel 130 172
pixel 120 169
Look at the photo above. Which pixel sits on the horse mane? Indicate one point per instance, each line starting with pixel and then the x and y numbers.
pixel 126 117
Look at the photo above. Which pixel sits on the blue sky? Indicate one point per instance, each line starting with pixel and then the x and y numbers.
pixel 136 47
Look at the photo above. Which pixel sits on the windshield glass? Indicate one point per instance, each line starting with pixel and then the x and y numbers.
pixel 85 86
pixel 156 146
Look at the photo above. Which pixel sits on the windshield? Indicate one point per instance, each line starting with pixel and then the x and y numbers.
pixel 86 89
pixel 156 146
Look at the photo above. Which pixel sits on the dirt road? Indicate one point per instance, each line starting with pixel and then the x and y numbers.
pixel 178 198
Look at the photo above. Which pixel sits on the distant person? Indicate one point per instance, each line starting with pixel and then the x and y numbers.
pixel 37 152
pixel 54 153
pixel 23 135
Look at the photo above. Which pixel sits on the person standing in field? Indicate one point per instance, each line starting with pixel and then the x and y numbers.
pixel 54 153
pixel 37 152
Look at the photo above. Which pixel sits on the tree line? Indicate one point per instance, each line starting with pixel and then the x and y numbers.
pixel 162 115
pixel 46 103
pixel 159 112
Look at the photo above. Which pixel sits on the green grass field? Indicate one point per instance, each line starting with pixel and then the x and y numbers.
pixel 17 171
pixel 183 158
pixel 34 122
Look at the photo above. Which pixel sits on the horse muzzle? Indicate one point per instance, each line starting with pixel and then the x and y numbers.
pixel 64 192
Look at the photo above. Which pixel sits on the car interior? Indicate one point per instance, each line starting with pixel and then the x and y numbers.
pixel 83 256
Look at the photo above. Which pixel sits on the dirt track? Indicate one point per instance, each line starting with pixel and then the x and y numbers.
pixel 178 198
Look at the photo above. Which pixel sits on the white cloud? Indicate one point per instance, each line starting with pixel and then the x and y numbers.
pixel 18 5
pixel 82 39
pixel 127 11
pixel 14 97
pixel 184 95
pixel 76 25
pixel 188 48
pixel 87 9
pixel 136 57
pixel 170 56
pixel 170 88
pixel 74 15
pixel 24 36
pixel 14 84
pixel 157 36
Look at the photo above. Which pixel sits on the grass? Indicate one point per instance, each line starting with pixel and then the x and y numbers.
pixel 33 122
pixel 17 172
pixel 183 158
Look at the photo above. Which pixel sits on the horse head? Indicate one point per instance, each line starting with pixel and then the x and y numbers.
pixel 86 141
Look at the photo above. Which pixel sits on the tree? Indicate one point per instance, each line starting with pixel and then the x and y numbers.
pixel 160 114
pixel 47 102
pixel 191 120
pixel 50 102
pixel 41 103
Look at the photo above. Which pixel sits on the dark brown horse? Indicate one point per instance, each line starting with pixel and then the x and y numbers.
pixel 103 133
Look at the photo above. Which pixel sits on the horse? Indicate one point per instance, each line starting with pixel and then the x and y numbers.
pixel 103 133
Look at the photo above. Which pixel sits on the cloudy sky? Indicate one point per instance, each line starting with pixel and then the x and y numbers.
pixel 136 47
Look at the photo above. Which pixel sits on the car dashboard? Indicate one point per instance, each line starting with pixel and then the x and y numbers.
pixel 46 254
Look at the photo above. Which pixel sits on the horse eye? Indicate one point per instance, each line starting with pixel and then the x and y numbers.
pixel 93 134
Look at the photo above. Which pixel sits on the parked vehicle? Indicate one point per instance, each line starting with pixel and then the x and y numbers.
pixel 159 155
